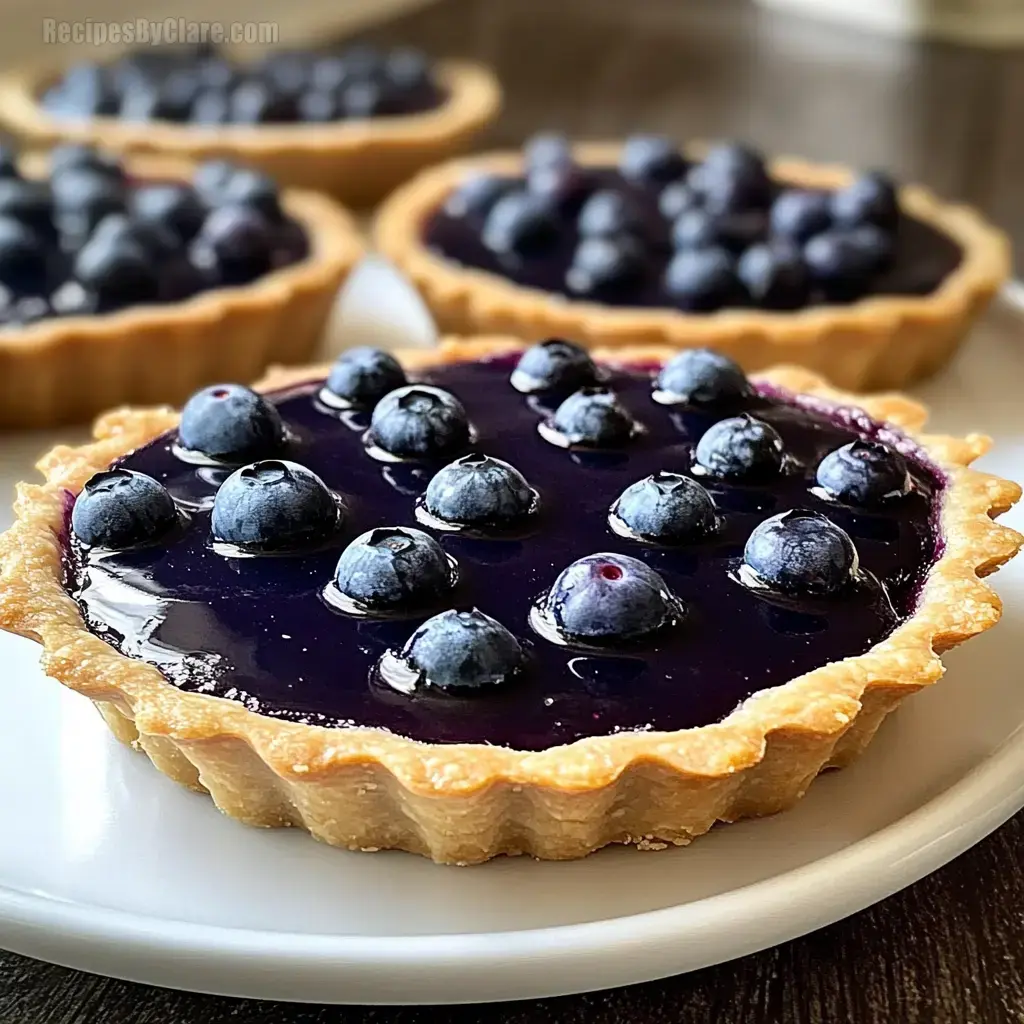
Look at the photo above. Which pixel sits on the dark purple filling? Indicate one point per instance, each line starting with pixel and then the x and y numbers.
pixel 257 630
pixel 923 257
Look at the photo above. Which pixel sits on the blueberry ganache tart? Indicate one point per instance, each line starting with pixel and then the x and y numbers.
pixel 489 600
pixel 846 274
pixel 353 123
pixel 141 281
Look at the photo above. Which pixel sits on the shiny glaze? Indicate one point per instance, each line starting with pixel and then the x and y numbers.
pixel 258 630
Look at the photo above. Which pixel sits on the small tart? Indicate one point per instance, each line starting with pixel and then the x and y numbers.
pixel 357 162
pixel 368 788
pixel 881 341
pixel 69 369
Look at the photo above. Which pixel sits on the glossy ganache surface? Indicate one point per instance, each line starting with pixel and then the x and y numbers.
pixel 921 256
pixel 258 629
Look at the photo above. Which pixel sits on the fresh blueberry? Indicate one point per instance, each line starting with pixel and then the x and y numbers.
pixel 608 597
pixel 593 417
pixel 254 189
pixel 607 214
pixel 119 272
pixel 374 98
pixel 81 199
pixel 520 223
pixel 288 70
pixel 666 507
pixel 258 102
pixel 23 257
pixel 407 68
pixel 238 241
pixel 606 268
pixel 29 202
pixel 839 265
pixel 329 73
pixel 393 567
pixel 554 366
pixel 117 229
pixel 476 195
pixel 700 376
pixel 86 90
pixel 8 162
pixel 170 100
pixel 798 214
pixel 775 276
pixel 119 508
pixel 175 207
pixel 677 199
pixel 563 188
pixel 801 552
pixel 731 178
pixel 211 179
pixel 651 159
pixel 230 423
pixel 463 651
pixel 72 156
pixel 877 245
pixel 742 448
pixel 871 199
pixel 363 61
pixel 319 107
pixel 703 280
pixel 417 421
pixel 546 150
pixel 863 473
pixel 274 506
pixel 701 229
pixel 363 376
pixel 216 73
pixel 478 490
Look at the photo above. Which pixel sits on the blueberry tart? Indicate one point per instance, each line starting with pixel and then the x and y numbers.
pixel 620 639
pixel 870 284
pixel 353 124
pixel 141 281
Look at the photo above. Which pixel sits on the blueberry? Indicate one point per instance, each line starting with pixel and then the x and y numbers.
pixel 593 417
pixel 775 277
pixel 86 90
pixel 8 162
pixel 563 188
pixel 651 159
pixel 119 508
pixel 459 650
pixel 606 268
pixel 274 506
pixel 741 447
pixel 801 552
pixel 29 202
pixel 288 71
pixel 863 473
pixel 119 272
pixel 215 73
pixel 237 240
pixel 418 421
pixel 258 102
pixel 703 280
pixel 677 199
pixel 798 214
pixel 170 100
pixel 520 224
pixel 476 195
pixel 731 178
pixel 363 376
pixel 478 490
pixel 319 107
pixel 363 61
pixel 553 366
pixel 700 229
pixel 23 257
pixel 211 107
pixel 73 156
pixel 393 567
pixel 871 199
pixel 666 507
pixel 609 597
pixel 607 214
pixel 230 423
pixel 876 245
pixel 374 98
pixel 211 179
pixel 839 265
pixel 546 150
pixel 329 73
pixel 118 229
pixel 175 207
pixel 408 69
pixel 699 376
pixel 253 189
pixel 82 199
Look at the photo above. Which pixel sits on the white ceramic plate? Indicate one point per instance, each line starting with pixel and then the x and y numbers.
pixel 109 867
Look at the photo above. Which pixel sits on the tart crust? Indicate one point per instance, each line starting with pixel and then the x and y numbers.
pixel 357 162
pixel 878 342
pixel 369 789
pixel 69 369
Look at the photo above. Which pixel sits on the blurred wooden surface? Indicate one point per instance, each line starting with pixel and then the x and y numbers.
pixel 948 950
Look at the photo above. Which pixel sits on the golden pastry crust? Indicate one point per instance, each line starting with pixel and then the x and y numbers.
pixel 878 342
pixel 357 162
pixel 69 369
pixel 464 803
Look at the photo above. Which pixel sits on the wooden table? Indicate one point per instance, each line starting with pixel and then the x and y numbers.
pixel 948 950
